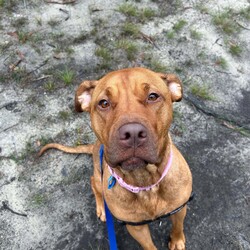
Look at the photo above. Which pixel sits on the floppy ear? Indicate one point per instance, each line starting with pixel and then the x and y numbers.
pixel 83 96
pixel 174 85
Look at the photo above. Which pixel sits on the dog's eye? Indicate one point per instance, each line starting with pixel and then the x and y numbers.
pixel 104 104
pixel 153 97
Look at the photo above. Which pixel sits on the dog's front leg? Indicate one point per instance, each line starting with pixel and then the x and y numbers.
pixel 96 187
pixel 177 237
pixel 142 235
pixel 96 184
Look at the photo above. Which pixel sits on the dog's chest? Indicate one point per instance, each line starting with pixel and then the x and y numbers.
pixel 144 205
pixel 151 202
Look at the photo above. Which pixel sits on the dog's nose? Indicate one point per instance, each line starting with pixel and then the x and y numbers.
pixel 132 135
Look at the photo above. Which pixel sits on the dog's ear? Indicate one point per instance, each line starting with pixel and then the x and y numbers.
pixel 174 85
pixel 83 96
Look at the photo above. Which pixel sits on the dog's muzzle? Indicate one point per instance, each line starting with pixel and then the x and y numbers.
pixel 131 147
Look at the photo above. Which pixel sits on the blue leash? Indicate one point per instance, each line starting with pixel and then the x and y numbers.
pixel 109 217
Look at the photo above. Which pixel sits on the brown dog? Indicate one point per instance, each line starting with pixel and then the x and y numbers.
pixel 131 112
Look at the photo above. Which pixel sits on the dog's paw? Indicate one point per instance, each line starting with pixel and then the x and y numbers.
pixel 176 244
pixel 100 212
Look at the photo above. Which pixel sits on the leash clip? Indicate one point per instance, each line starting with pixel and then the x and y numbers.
pixel 111 181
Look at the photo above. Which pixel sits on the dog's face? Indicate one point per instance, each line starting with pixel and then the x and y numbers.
pixel 131 112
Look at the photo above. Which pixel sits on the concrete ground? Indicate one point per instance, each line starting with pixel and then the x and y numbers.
pixel 48 48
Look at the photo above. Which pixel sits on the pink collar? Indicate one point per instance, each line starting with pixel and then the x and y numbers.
pixel 135 189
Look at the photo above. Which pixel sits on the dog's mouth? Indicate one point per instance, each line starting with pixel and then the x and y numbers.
pixel 133 163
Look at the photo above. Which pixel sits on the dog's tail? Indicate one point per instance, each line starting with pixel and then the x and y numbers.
pixel 81 149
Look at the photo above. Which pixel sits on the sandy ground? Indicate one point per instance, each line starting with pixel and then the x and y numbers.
pixel 47 49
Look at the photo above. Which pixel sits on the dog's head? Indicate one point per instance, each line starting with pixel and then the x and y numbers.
pixel 131 112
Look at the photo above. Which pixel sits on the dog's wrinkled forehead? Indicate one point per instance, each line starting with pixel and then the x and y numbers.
pixel 132 77
pixel 135 80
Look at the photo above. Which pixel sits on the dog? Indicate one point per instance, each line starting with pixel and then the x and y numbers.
pixel 131 113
